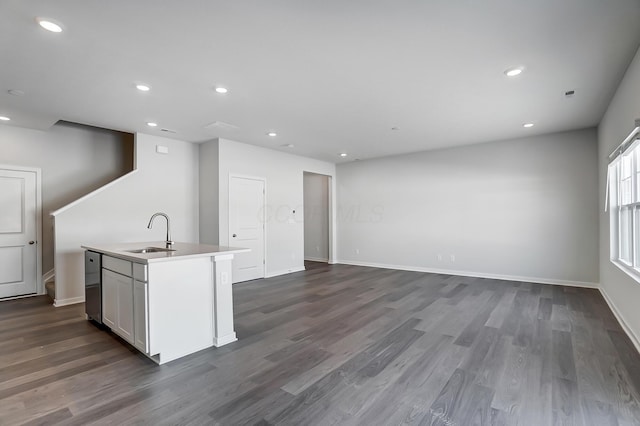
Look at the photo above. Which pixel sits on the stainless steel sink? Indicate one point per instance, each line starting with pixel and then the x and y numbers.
pixel 151 250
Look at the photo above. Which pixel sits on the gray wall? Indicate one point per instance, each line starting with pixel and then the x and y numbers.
pixel 119 212
pixel 622 291
pixel 519 209
pixel 209 192
pixel 316 217
pixel 283 173
pixel 74 159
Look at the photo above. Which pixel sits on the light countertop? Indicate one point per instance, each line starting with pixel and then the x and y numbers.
pixel 182 251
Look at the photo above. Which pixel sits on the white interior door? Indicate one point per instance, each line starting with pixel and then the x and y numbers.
pixel 246 227
pixel 18 231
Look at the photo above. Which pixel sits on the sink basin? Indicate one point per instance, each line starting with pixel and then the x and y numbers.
pixel 150 250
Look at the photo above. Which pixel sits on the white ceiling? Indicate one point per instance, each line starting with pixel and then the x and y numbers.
pixel 329 76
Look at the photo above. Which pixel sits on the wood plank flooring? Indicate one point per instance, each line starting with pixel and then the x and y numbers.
pixel 339 345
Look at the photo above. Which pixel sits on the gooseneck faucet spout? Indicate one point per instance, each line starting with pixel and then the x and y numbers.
pixel 169 241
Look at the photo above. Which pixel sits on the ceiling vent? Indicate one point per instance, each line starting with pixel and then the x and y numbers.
pixel 167 130
pixel 220 125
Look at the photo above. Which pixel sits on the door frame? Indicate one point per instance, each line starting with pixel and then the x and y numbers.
pixel 38 172
pixel 330 213
pixel 264 214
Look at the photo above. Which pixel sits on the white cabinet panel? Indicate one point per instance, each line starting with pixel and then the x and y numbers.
pixel 117 303
pixel 125 308
pixel 109 298
pixel 141 315
pixel 117 265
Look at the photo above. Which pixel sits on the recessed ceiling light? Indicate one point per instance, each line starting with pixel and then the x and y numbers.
pixel 512 72
pixel 221 89
pixel 527 125
pixel 152 124
pixel 272 134
pixel 143 87
pixel 49 26
pixel 3 118
pixel 343 154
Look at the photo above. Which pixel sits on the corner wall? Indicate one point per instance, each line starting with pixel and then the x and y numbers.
pixel 209 192
pixel 523 209
pixel 621 291
pixel 284 192
pixel 120 211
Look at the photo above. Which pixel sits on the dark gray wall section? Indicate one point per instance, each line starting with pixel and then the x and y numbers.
pixel 316 217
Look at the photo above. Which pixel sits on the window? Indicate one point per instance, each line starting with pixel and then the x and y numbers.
pixel 623 193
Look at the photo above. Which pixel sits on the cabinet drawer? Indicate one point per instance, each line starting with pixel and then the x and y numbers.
pixel 140 272
pixel 117 265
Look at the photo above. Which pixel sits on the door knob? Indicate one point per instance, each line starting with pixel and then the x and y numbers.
pixel 31 243
pixel 234 235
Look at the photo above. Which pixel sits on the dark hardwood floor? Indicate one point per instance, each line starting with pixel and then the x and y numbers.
pixel 339 345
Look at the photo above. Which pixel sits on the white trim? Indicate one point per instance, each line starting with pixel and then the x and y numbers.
pixel 474 274
pixel 284 272
pixel 40 290
pixel 623 147
pixel 221 341
pixel 22 296
pixel 618 314
pixel 48 275
pixel 627 269
pixel 316 259
pixel 92 194
pixel 64 302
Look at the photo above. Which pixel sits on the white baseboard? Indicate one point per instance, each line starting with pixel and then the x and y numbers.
pixel 473 274
pixel 48 276
pixel 284 272
pixel 316 259
pixel 64 302
pixel 224 340
pixel 623 323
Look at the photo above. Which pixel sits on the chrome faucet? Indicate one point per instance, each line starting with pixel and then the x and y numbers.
pixel 169 242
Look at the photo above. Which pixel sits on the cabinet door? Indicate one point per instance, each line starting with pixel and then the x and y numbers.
pixel 125 308
pixel 109 298
pixel 140 315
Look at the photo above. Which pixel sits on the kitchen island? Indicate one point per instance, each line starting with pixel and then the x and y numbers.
pixel 168 301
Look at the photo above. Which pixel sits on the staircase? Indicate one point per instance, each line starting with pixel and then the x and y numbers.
pixel 50 288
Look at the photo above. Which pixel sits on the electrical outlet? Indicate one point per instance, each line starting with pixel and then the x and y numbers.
pixel 357 251
pixel 453 258
pixel 439 258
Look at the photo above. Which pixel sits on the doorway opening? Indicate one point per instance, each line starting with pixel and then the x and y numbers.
pixel 317 219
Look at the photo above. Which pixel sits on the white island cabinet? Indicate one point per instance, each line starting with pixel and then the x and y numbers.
pixel 168 304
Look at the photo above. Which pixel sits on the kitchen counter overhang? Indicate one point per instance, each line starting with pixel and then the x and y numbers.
pixel 180 251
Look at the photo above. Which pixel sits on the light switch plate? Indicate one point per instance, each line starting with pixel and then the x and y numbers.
pixel 160 149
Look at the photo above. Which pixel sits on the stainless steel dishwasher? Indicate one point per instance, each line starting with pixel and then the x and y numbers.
pixel 93 285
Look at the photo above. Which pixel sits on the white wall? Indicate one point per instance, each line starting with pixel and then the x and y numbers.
pixel 521 209
pixel 621 291
pixel 120 211
pixel 74 159
pixel 284 193
pixel 209 192
pixel 316 217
